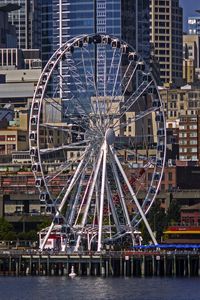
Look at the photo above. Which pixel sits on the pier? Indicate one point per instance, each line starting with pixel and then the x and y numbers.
pixel 126 263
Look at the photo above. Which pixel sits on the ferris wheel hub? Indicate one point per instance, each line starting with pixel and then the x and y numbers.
pixel 110 136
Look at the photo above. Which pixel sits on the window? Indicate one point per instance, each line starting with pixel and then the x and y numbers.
pixel 193 126
pixel 193 134
pixel 2 149
pixel 170 176
pixel 193 142
pixel 11 138
pixel 22 138
pixel 11 148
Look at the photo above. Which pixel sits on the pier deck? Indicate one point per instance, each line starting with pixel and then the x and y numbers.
pixel 125 263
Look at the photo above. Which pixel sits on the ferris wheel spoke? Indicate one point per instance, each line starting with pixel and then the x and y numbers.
pixel 116 78
pixel 51 100
pixel 65 166
pixel 90 190
pixel 83 111
pixel 138 117
pixel 78 145
pixel 64 128
pixel 74 100
pixel 126 80
pixel 131 100
pixel 72 208
pixel 122 83
pixel 133 196
pixel 120 111
pixel 70 187
pixel 109 79
pixel 81 87
pixel 129 80
pixel 98 110
pixel 56 105
pixel 86 156
pixel 113 210
pixel 99 243
pixel 120 192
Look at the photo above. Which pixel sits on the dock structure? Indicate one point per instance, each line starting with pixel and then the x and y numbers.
pixel 128 264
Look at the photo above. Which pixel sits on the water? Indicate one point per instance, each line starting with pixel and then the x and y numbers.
pixel 91 288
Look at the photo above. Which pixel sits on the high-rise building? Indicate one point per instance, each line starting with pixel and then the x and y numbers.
pixel 47 30
pixel 135 24
pixel 126 19
pixel 166 38
pixel 27 21
pixel 194 25
pixel 7 31
pixel 191 57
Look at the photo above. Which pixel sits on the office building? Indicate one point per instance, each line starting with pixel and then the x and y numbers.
pixel 166 38
pixel 27 21
pixel 128 20
pixel 47 30
pixel 7 31
pixel 194 25
pixel 124 19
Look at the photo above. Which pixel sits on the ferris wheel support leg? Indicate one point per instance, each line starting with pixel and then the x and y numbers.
pixel 97 195
pixel 97 167
pixel 114 214
pixel 122 199
pixel 71 185
pixel 103 179
pixel 73 209
pixel 134 197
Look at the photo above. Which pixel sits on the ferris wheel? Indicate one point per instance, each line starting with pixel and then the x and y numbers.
pixel 97 140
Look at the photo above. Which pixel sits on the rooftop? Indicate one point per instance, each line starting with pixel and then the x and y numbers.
pixel 9 7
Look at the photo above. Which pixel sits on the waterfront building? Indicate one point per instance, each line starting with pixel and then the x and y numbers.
pixel 175 102
pixel 166 38
pixel 18 86
pixel 182 234
pixel 13 139
pixel 189 130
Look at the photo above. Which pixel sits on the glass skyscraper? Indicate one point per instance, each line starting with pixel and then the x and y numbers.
pixel 47 30
pixel 27 21
pixel 194 25
pixel 127 19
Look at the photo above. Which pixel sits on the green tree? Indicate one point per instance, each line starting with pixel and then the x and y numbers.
pixel 10 236
pixel 173 212
pixel 5 228
pixel 157 221
pixel 44 224
pixel 32 235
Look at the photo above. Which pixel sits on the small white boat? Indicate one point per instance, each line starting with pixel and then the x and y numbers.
pixel 72 274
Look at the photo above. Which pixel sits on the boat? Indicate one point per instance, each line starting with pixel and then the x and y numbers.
pixel 72 274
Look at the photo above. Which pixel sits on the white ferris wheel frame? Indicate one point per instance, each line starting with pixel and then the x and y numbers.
pixel 106 153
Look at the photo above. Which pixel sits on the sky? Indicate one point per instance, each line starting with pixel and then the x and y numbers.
pixel 189 7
